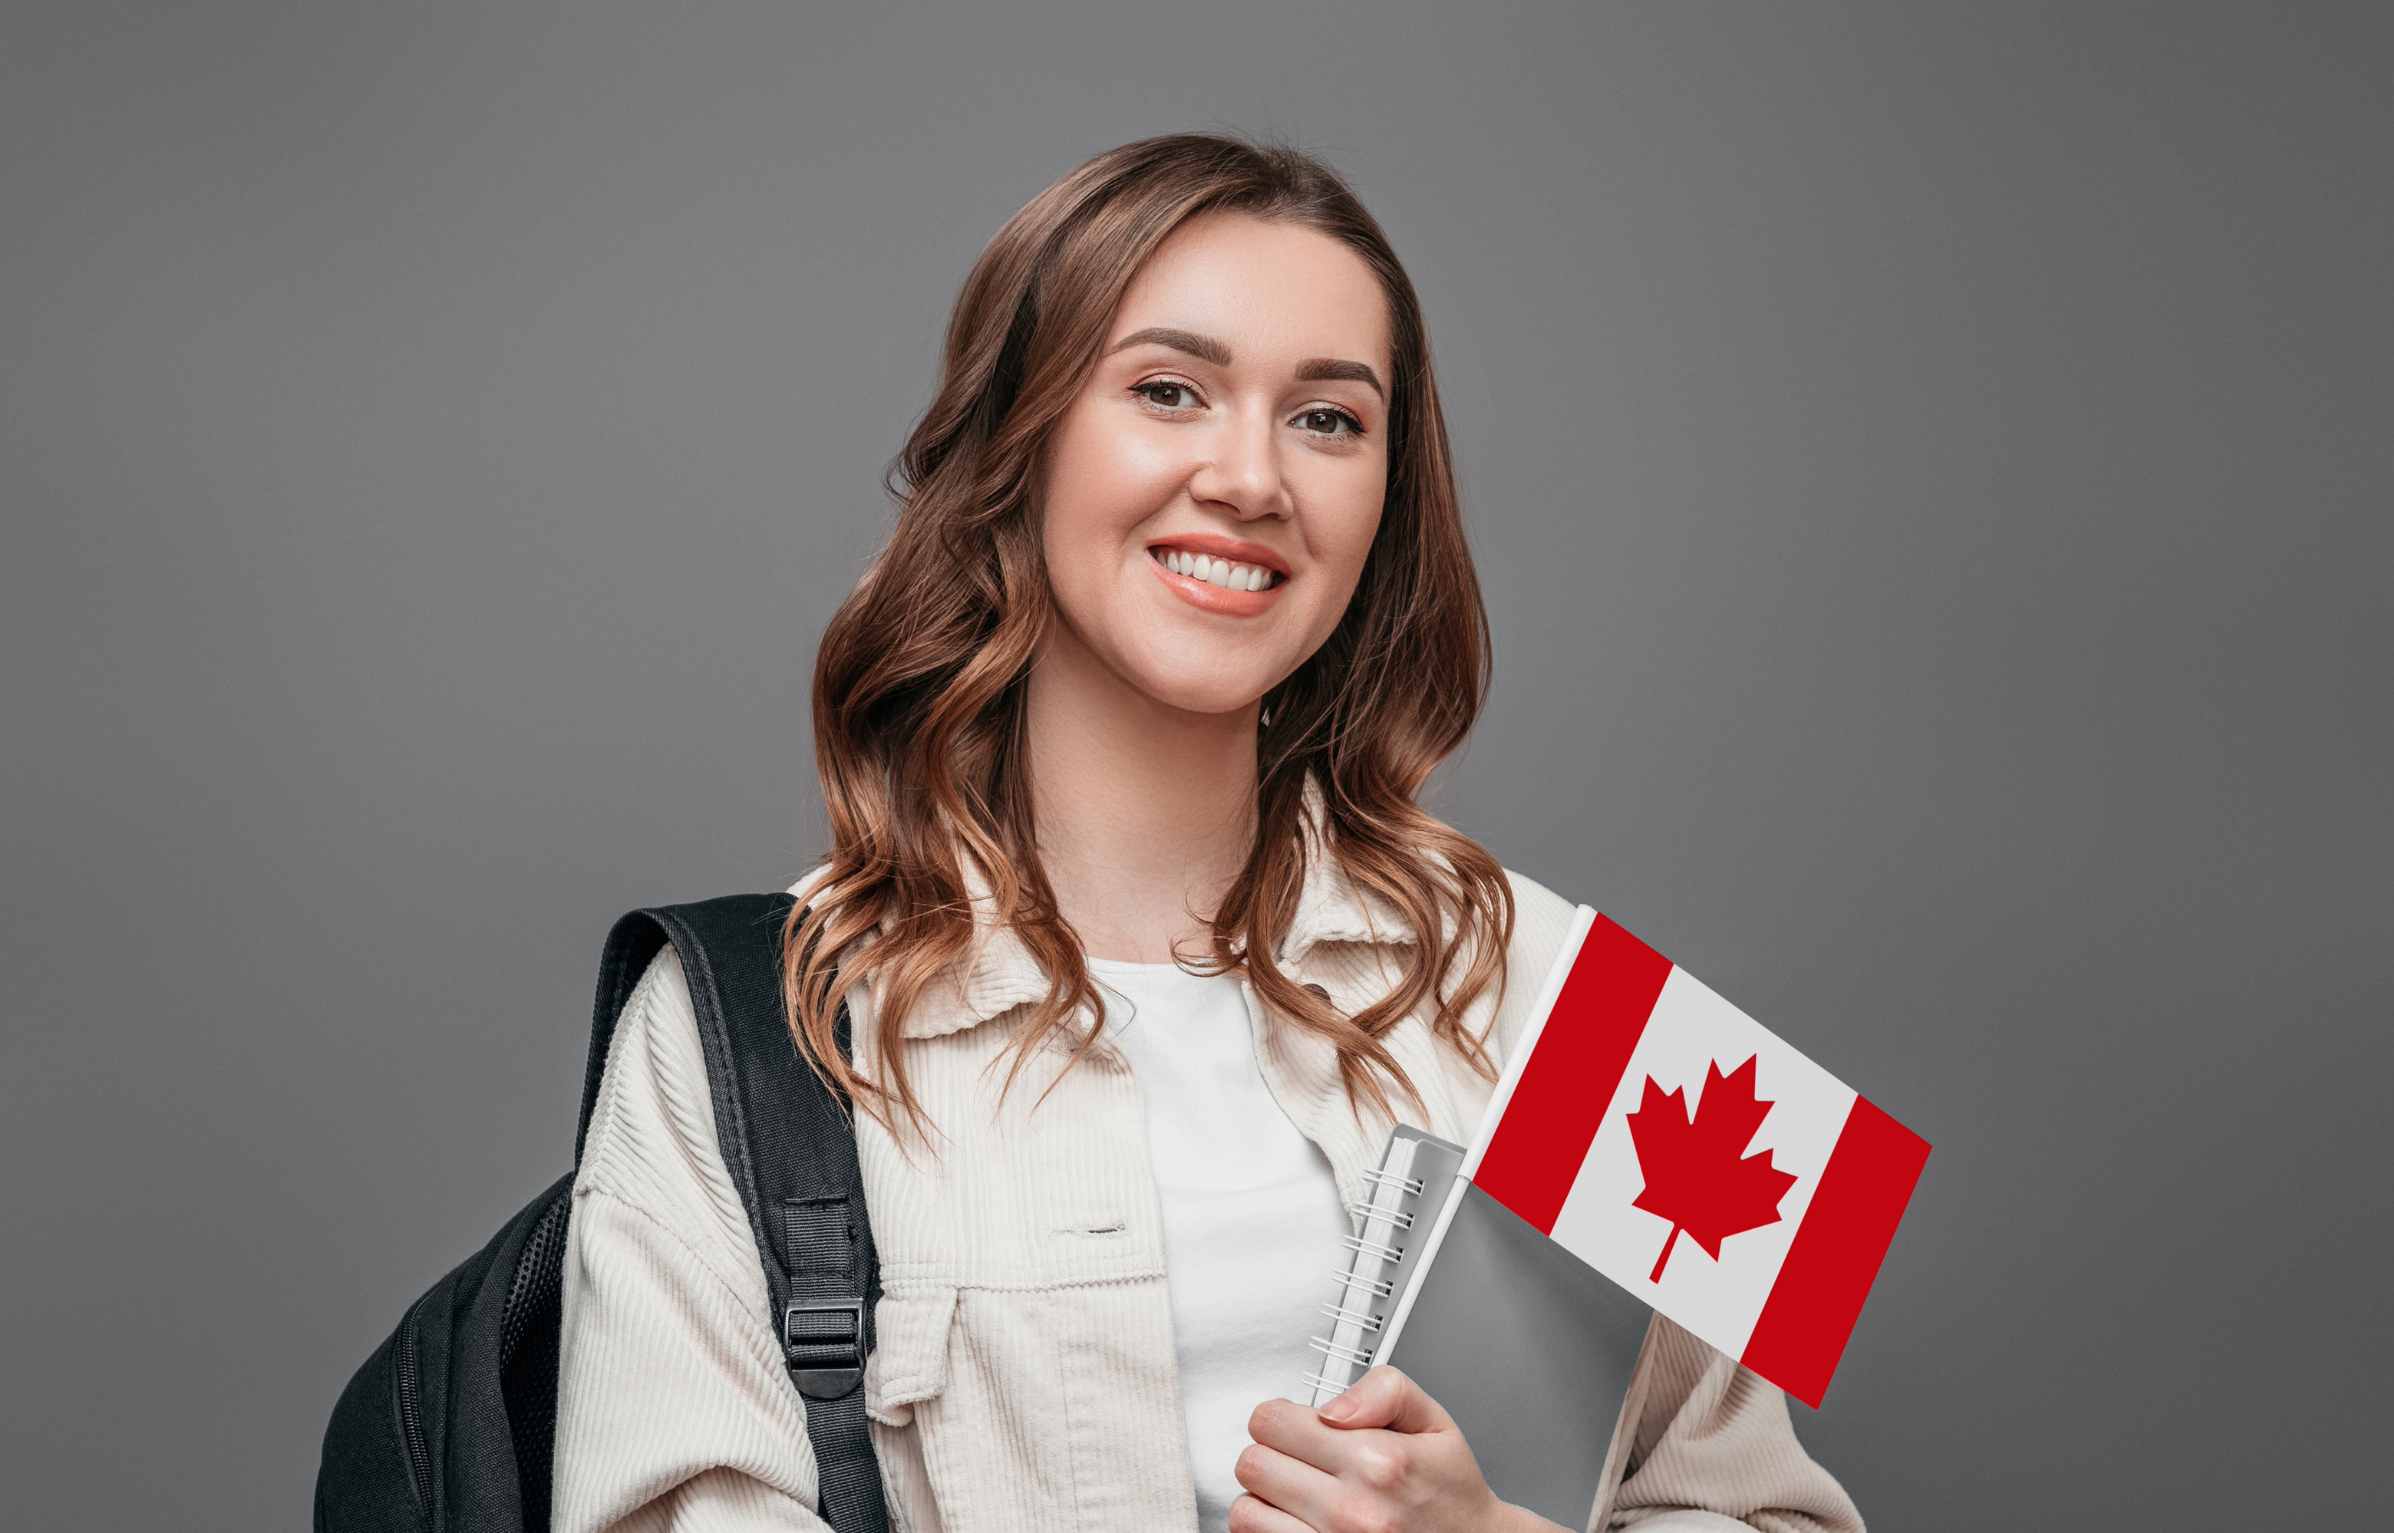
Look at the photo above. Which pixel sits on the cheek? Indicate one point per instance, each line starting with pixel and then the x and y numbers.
pixel 1102 477
pixel 1349 544
pixel 1096 491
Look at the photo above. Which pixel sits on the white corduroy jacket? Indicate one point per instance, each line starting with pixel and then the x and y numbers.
pixel 1024 1374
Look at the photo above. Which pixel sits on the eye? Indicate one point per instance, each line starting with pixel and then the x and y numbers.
pixel 1354 426
pixel 1146 391
pixel 1141 389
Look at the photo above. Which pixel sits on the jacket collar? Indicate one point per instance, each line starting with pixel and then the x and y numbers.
pixel 997 971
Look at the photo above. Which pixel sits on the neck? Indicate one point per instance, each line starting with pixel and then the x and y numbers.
pixel 1145 812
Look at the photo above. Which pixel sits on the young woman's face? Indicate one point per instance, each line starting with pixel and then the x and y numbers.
pixel 1236 413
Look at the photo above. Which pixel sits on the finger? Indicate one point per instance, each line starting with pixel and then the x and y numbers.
pixel 1296 1431
pixel 1386 1397
pixel 1251 1513
pixel 1291 1484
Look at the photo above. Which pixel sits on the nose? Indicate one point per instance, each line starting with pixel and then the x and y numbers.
pixel 1244 469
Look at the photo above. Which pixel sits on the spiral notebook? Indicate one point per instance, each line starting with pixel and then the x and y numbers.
pixel 1531 1350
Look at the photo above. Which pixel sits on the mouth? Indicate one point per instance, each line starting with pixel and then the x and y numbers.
pixel 1215 570
pixel 1230 587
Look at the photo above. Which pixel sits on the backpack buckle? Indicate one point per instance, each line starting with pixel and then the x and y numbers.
pixel 827 1355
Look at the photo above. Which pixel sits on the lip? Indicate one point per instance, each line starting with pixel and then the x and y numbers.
pixel 1213 598
pixel 1237 550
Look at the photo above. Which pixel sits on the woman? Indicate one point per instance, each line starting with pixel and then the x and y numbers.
pixel 1125 722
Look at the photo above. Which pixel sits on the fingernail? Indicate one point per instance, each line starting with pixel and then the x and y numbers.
pixel 1339 1409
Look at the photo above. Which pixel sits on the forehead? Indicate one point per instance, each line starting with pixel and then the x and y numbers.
pixel 1272 290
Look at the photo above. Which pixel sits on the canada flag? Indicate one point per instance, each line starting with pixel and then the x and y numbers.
pixel 1673 1143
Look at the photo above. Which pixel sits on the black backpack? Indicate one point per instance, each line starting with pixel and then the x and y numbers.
pixel 451 1423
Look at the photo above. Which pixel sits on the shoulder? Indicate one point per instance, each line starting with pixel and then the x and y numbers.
pixel 1542 922
pixel 652 1140
pixel 1539 914
pixel 1502 1012
pixel 646 1077
pixel 804 888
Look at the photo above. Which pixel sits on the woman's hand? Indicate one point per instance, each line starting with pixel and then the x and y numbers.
pixel 1394 1462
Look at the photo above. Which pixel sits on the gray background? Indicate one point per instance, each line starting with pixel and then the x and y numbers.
pixel 1929 468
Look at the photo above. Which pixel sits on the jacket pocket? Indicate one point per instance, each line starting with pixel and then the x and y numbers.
pixel 910 1352
pixel 1049 1407
pixel 909 1367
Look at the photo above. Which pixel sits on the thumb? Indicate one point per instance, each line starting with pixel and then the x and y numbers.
pixel 1386 1397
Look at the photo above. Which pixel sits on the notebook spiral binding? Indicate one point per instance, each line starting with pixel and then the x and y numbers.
pixel 1343 1362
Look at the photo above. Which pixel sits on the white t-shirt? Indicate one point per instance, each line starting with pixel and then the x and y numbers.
pixel 1251 1209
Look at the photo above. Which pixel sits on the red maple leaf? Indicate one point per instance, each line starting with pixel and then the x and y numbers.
pixel 1695 1176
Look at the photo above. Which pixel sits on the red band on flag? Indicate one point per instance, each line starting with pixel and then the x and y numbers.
pixel 1836 1253
pixel 1560 1099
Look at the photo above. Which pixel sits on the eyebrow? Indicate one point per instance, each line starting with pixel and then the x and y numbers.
pixel 1214 351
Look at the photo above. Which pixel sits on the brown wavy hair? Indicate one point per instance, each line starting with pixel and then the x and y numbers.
pixel 919 680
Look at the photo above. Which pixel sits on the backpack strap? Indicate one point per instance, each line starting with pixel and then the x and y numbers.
pixel 791 1151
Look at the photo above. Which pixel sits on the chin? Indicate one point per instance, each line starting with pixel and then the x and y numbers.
pixel 1177 692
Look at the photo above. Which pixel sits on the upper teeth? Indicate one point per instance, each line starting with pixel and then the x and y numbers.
pixel 1213 571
